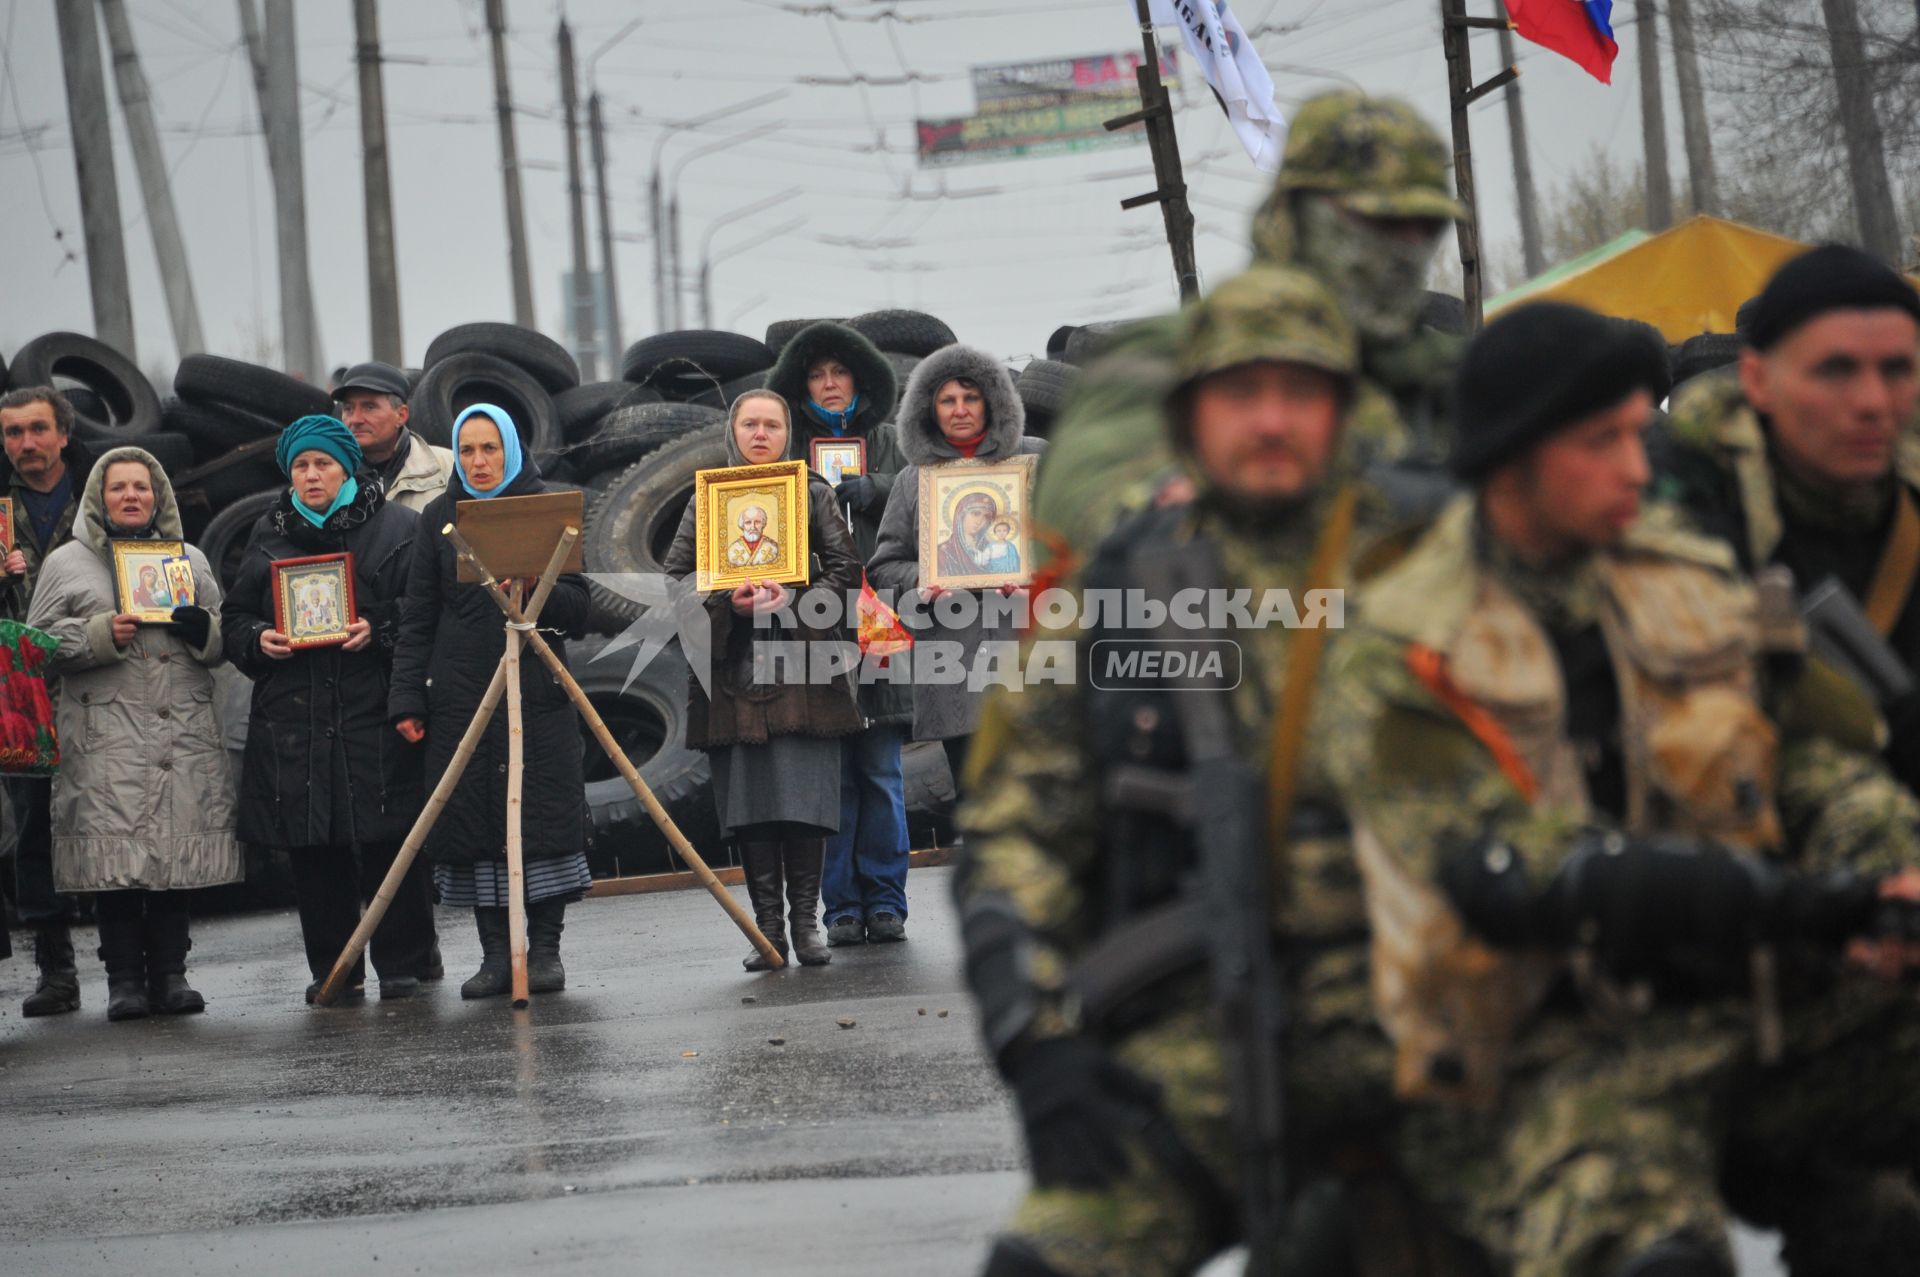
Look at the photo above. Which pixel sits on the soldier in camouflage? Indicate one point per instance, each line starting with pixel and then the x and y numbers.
pixel 1803 454
pixel 1360 203
pixel 1081 816
pixel 1571 738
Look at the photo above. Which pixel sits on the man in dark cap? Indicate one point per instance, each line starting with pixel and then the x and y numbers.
pixel 372 399
pixel 1570 737
pixel 1805 455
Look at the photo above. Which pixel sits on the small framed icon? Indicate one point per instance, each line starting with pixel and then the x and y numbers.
pixel 6 526
pixel 313 600
pixel 151 578
pixel 837 459
pixel 973 523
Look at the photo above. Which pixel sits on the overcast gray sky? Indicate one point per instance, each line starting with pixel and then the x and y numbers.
pixel 1003 251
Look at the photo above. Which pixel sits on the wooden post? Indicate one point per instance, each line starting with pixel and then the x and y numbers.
pixel 1170 185
pixel 383 270
pixel 741 918
pixel 1653 117
pixel 516 862
pixel 1531 251
pixel 106 251
pixel 1455 29
pixel 523 313
pixel 436 801
pixel 1696 128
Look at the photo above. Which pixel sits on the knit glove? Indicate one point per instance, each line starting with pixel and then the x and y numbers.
pixel 858 491
pixel 194 624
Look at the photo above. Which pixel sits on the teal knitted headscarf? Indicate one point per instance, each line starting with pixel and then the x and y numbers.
pixel 320 434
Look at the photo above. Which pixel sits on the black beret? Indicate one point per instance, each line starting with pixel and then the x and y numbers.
pixel 1538 369
pixel 1831 277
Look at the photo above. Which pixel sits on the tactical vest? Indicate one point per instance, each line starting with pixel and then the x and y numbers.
pixel 1685 642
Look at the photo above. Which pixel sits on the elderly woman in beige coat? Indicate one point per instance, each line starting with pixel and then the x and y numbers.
pixel 143 804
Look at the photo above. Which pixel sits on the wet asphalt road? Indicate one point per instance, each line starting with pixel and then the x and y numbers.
pixel 441 1136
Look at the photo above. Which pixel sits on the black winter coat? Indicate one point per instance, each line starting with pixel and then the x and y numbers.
pixel 451 639
pixel 323 765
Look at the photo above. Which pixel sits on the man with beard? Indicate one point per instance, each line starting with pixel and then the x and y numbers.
pixel 1091 814
pixel 45 465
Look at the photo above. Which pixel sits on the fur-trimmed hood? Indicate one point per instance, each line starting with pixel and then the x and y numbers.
pixel 873 376
pixel 91 526
pixel 920 439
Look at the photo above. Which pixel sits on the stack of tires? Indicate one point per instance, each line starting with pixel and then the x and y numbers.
pixel 113 402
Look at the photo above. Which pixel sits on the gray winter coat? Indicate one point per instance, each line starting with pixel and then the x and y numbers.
pixel 944 710
pixel 144 797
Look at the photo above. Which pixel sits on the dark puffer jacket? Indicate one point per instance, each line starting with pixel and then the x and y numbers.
pixel 451 639
pixel 319 717
pixel 874 380
pixel 877 387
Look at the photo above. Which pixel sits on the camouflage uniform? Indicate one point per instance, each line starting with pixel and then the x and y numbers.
pixel 1047 840
pixel 1109 453
pixel 1621 1129
pixel 1723 473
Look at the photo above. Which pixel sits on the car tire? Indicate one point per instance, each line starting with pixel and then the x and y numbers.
pixel 903 332
pixel 131 405
pixel 232 383
pixel 648 719
pixel 536 354
pixel 461 380
pixel 632 525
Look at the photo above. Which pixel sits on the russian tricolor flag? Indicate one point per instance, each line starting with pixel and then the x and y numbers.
pixel 1577 29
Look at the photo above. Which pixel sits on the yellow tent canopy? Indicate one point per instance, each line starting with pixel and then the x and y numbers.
pixel 1684 281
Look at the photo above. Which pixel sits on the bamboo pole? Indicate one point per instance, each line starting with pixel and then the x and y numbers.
pixel 436 801
pixel 516 857
pixel 741 918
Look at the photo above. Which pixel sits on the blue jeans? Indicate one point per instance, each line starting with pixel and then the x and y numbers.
pixel 866 869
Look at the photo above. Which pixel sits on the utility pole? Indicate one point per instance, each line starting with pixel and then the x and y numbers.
pixel 586 329
pixel 1531 251
pixel 1701 176
pixel 1866 149
pixel 674 278
pixel 383 270
pixel 136 104
pixel 257 59
pixel 93 167
pixel 1170 184
pixel 301 352
pixel 1456 28
pixel 1653 117
pixel 657 217
pixel 523 314
pixel 597 128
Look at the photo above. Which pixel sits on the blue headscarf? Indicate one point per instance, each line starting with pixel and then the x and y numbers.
pixel 509 447
pixel 320 434
pixel 838 422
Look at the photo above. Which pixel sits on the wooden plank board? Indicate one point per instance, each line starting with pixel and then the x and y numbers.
pixel 650 884
pixel 515 536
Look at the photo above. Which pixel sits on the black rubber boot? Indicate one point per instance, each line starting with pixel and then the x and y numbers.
pixel 168 941
pixel 763 866
pixel 545 921
pixel 59 988
pixel 804 861
pixel 495 975
pixel 434 967
pixel 123 949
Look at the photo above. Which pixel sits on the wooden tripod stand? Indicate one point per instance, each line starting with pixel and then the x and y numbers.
pixel 506 680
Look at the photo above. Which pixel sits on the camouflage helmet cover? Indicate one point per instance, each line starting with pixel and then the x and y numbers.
pixel 1376 154
pixel 1267 313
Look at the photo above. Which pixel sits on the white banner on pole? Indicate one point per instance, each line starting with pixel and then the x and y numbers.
pixel 1232 66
